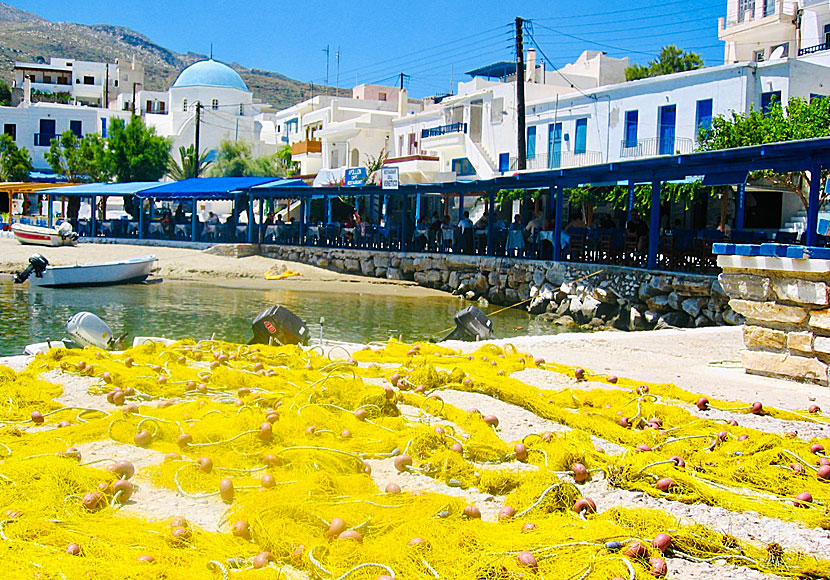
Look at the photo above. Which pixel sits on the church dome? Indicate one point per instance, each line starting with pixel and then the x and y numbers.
pixel 209 73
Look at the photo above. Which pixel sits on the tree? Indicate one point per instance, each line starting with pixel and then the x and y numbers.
pixel 190 166
pixel 15 163
pixel 670 60
pixel 136 152
pixel 233 159
pixel 800 120
pixel 374 165
pixel 5 93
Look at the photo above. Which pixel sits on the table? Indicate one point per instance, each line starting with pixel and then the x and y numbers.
pixel 564 238
pixel 241 231
pixel 515 241
pixel 155 228
pixel 181 229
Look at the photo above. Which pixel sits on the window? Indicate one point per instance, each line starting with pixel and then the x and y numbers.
pixel 827 34
pixel 381 96
pixel 580 136
pixel 214 104
pixel 47 79
pixel 769 99
pixel 758 56
pixel 355 157
pixel 115 83
pixel 746 9
pixel 89 80
pixel 400 146
pixel 704 115
pixel 632 119
pixel 463 167
pixel 184 104
pixel 769 7
pixel 413 145
pixel 77 128
pixel 531 142
pixel 10 129
pixel 497 111
pixel 816 97
pixel 241 110
pixel 161 107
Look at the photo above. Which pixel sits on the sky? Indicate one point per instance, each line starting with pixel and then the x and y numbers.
pixel 434 42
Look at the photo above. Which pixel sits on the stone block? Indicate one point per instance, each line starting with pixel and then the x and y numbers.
pixel 745 286
pixel 538 276
pixel 367 267
pixel 555 275
pixel 408 266
pixel 511 296
pixel 636 320
pixel 801 291
pixel 658 304
pixel 674 319
pixel 453 280
pixel 352 265
pixel 675 301
pixel 495 296
pixel 380 272
pixel 524 291
pixel 760 337
pixel 719 296
pixel 799 368
pixel 821 344
pixel 731 318
pixel 394 274
pixel 694 306
pixel 479 284
pixel 435 277
pixel 769 311
pixel 421 278
pixel 800 341
pixel 820 319
pixel 538 305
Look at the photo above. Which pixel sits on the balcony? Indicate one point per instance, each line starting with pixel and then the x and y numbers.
pixel 654 147
pixel 443 130
pixel 44 139
pixel 559 161
pixel 306 147
pixel 814 49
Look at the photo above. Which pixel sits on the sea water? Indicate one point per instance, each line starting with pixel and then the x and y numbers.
pixel 180 310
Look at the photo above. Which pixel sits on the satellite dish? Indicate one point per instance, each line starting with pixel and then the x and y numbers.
pixel 777 53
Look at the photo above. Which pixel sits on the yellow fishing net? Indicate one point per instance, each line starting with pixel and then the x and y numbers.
pixel 281 444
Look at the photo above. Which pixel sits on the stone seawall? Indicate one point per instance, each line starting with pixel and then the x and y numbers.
pixel 565 293
pixel 786 304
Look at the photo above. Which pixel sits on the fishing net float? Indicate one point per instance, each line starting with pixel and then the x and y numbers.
pixel 281 442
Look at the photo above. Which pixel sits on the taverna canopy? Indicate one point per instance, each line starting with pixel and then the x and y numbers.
pixel 197 188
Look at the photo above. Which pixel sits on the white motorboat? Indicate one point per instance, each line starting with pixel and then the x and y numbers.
pixel 43 236
pixel 130 270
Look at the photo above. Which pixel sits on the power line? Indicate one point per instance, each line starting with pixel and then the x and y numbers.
pixel 622 11
pixel 605 45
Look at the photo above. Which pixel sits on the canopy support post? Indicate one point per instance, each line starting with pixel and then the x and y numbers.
pixel 654 225
pixel 491 223
pixel 557 223
pixel 740 206
pixel 194 221
pixel 812 209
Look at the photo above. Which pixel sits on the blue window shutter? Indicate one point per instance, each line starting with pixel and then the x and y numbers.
pixel 581 136
pixel 504 162
pixel 631 122
pixel 531 142
pixel 768 99
pixel 704 114
pixel 104 128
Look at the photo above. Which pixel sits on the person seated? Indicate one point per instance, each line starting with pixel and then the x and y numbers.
pixel 639 229
pixel 419 238
pixel 483 223
pixel 180 218
pixel 269 219
pixel 577 223
pixel 607 223
pixel 535 224
pixel 548 225
pixel 435 229
pixel 167 227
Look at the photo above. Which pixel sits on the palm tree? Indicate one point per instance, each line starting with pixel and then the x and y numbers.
pixel 190 165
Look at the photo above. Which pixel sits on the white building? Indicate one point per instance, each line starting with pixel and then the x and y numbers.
pixel 77 82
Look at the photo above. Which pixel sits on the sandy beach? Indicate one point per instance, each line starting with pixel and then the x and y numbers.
pixel 204 266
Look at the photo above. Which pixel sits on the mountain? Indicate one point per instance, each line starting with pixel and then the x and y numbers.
pixel 27 37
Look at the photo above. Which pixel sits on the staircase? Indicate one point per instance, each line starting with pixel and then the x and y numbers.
pixel 480 159
pixel 798 222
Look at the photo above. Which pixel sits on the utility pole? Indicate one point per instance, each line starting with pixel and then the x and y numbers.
pixel 107 88
pixel 520 94
pixel 134 84
pixel 402 77
pixel 196 140
pixel 337 60
pixel 327 50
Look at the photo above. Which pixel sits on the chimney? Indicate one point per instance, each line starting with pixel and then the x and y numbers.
pixel 530 67
pixel 27 91
pixel 403 102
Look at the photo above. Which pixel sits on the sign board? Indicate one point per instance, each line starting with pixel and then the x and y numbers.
pixel 355 177
pixel 390 178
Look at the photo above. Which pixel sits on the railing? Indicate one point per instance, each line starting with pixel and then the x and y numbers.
pixel 813 49
pixel 305 147
pixel 653 147
pixel 444 130
pixel 44 139
pixel 560 160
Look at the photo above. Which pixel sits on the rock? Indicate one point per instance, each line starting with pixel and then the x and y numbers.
pixel 408 266
pixel 511 296
pixel 651 317
pixel 469 295
pixel 769 311
pixel 435 277
pixel 574 305
pixel 801 342
pixel 352 265
pixel 555 275
pixel 454 280
pixel 495 296
pixel 701 322
pixel 538 276
pixel 745 286
pixel 607 311
pixel 663 284
pixel 538 305
pixel 394 274
pixel 675 301
pixel 482 302
pixel 691 287
pixel 675 319
pixel 564 321
pixel 493 279
pixel 421 278
pixel 589 307
pixel 658 304
pixel 821 344
pixel 694 306
pixel 524 292
pixel 479 284
pixel 719 296
pixel 760 337
pixel 801 291
pixel 732 318
pixel 380 272
pixel 546 291
pixel 596 323
pixel 604 295
pixel 563 307
pixel 381 260
pixel 636 320
pixel 786 365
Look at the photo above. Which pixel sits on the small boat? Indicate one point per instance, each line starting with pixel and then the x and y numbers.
pixel 43 236
pixel 126 271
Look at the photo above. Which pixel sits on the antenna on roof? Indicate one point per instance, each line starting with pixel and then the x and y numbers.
pixel 211 51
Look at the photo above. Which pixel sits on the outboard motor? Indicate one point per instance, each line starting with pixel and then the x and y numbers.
pixel 37 265
pixel 66 233
pixel 471 324
pixel 278 325
pixel 86 329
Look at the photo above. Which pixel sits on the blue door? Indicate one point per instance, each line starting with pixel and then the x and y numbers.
pixel 668 117
pixel 554 145
pixel 504 162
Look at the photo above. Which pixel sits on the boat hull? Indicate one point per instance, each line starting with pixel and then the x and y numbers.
pixel 127 271
pixel 39 236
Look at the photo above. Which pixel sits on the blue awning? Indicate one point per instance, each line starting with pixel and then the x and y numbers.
pixel 90 189
pixel 213 187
